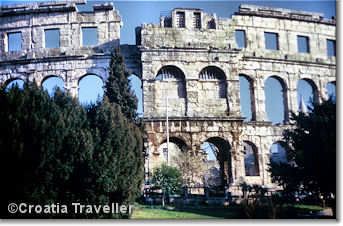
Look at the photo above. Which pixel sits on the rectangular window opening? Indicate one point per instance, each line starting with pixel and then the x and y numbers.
pixel 271 40
pixel 331 47
pixel 197 20
pixel 303 44
pixel 180 19
pixel 14 41
pixel 52 38
pixel 89 36
pixel 240 39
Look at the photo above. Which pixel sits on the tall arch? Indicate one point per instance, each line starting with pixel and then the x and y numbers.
pixel 176 77
pixel 215 74
pixel 169 153
pixel 278 153
pixel 276 103
pixel 171 84
pixel 331 90
pixel 307 94
pixel 50 83
pixel 247 97
pixel 251 160
pixel 137 89
pixel 90 88
pixel 220 159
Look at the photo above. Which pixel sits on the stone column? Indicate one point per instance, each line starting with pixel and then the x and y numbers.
pixel 71 83
pixel 260 106
pixel 192 97
pixel 233 97
pixel 292 95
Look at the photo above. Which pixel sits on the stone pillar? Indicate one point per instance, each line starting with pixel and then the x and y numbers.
pixel 260 106
pixel 292 95
pixel 233 97
pixel 192 97
pixel 71 83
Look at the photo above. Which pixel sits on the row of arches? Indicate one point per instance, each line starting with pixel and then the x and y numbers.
pixel 275 92
pixel 90 87
pixel 175 77
pixel 216 154
pixel 276 98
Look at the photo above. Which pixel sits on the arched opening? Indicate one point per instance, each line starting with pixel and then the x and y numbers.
pixel 251 159
pixel 51 83
pixel 246 91
pixel 331 90
pixel 307 94
pixel 215 76
pixel 175 77
pixel 278 153
pixel 276 100
pixel 136 87
pixel 90 89
pixel 171 85
pixel 17 82
pixel 217 158
pixel 168 154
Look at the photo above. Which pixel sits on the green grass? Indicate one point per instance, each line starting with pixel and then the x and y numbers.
pixel 146 212
pixel 204 212
pixel 308 207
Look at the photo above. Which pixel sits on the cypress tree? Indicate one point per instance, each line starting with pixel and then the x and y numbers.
pixel 117 87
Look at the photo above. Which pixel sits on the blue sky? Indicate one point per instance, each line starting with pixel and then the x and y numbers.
pixel 135 13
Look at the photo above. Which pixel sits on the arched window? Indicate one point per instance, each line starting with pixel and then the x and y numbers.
pixel 170 153
pixel 15 83
pixel 331 90
pixel 306 94
pixel 217 159
pixel 246 92
pixel 276 100
pixel 51 83
pixel 250 159
pixel 90 89
pixel 136 88
pixel 175 77
pixel 215 74
pixel 278 153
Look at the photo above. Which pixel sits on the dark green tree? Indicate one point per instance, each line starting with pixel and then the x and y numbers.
pixel 54 151
pixel 44 142
pixel 117 87
pixel 311 152
pixel 117 157
pixel 168 179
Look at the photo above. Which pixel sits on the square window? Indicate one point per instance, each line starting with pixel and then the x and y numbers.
pixel 331 47
pixel 52 38
pixel 14 41
pixel 271 40
pixel 180 19
pixel 89 36
pixel 240 39
pixel 303 44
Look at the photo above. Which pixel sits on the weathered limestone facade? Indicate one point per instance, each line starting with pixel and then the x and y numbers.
pixel 71 61
pixel 191 60
pixel 179 45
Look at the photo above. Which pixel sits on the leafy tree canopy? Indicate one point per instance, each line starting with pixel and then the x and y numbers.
pixel 311 152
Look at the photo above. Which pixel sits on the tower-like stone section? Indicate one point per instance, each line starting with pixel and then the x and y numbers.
pixel 192 59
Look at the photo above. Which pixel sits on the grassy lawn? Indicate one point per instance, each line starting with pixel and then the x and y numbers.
pixel 203 212
pixel 146 212
pixel 308 207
